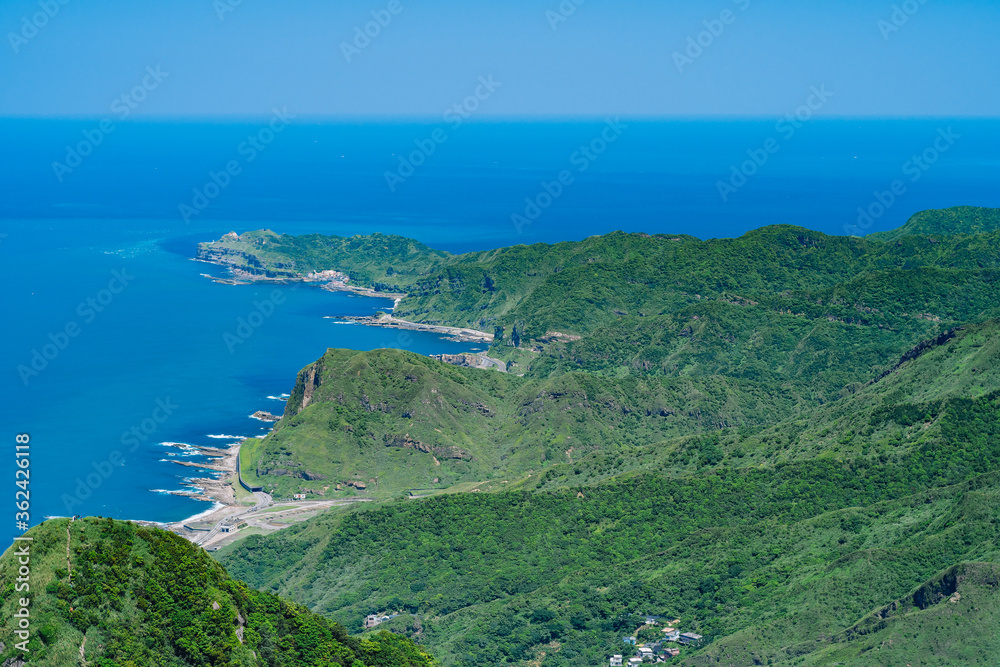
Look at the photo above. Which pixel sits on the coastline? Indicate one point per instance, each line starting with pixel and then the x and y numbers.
pixel 217 489
pixel 330 283
pixel 458 334
pixel 214 527
pixel 218 485
pixel 335 281
pixel 361 291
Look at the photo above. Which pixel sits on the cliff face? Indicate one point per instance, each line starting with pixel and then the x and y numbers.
pixel 306 384
pixel 245 264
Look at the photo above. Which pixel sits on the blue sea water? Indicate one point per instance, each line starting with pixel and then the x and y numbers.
pixel 63 237
pixel 155 353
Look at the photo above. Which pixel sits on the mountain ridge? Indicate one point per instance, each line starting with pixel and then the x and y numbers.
pixel 787 441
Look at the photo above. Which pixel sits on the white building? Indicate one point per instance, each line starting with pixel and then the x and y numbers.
pixel 616 661
pixel 690 638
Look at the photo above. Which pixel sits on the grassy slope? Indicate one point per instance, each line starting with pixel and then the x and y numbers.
pixel 763 542
pixel 143 597
pixel 394 420
pixel 940 623
pixel 734 564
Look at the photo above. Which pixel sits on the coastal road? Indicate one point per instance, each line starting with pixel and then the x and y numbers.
pixel 263 500
pixel 490 362
pixel 255 517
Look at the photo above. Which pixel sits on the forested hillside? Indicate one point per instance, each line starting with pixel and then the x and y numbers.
pixel 112 594
pixel 579 287
pixel 788 441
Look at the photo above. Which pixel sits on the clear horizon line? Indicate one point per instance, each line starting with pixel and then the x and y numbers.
pixel 375 119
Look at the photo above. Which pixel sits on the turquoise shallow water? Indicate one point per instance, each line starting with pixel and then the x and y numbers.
pixel 165 359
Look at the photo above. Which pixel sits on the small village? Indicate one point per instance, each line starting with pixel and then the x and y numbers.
pixel 374 620
pixel 657 650
pixel 648 652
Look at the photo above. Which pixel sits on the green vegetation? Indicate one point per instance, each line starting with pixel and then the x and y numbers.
pixel 381 262
pixel 394 421
pixel 115 594
pixel 579 287
pixel 789 441
pixel 941 623
pixel 957 220
pixel 757 541
pixel 753 561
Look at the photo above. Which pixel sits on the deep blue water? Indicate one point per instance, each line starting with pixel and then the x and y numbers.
pixel 655 177
pixel 162 336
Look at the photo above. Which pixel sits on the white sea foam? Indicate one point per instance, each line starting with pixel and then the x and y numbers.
pixel 199 515
pixel 182 445
pixel 229 437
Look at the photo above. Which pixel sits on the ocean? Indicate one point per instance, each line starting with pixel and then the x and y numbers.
pixel 95 240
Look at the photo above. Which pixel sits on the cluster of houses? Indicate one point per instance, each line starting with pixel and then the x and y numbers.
pixel 657 651
pixel 376 619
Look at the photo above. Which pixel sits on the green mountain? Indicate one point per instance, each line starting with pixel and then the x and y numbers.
pixel 788 441
pixel 671 336
pixel 940 623
pixel 110 593
pixel 620 279
pixel 761 564
pixel 957 220
pixel 761 541
pixel 387 421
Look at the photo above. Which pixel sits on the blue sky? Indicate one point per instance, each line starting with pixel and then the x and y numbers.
pixel 605 57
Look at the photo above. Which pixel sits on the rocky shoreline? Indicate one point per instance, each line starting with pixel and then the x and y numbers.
pixel 210 489
pixel 363 291
pixel 458 334
pixel 332 280
pixel 240 277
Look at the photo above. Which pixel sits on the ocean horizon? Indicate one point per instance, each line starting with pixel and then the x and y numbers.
pixel 462 188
